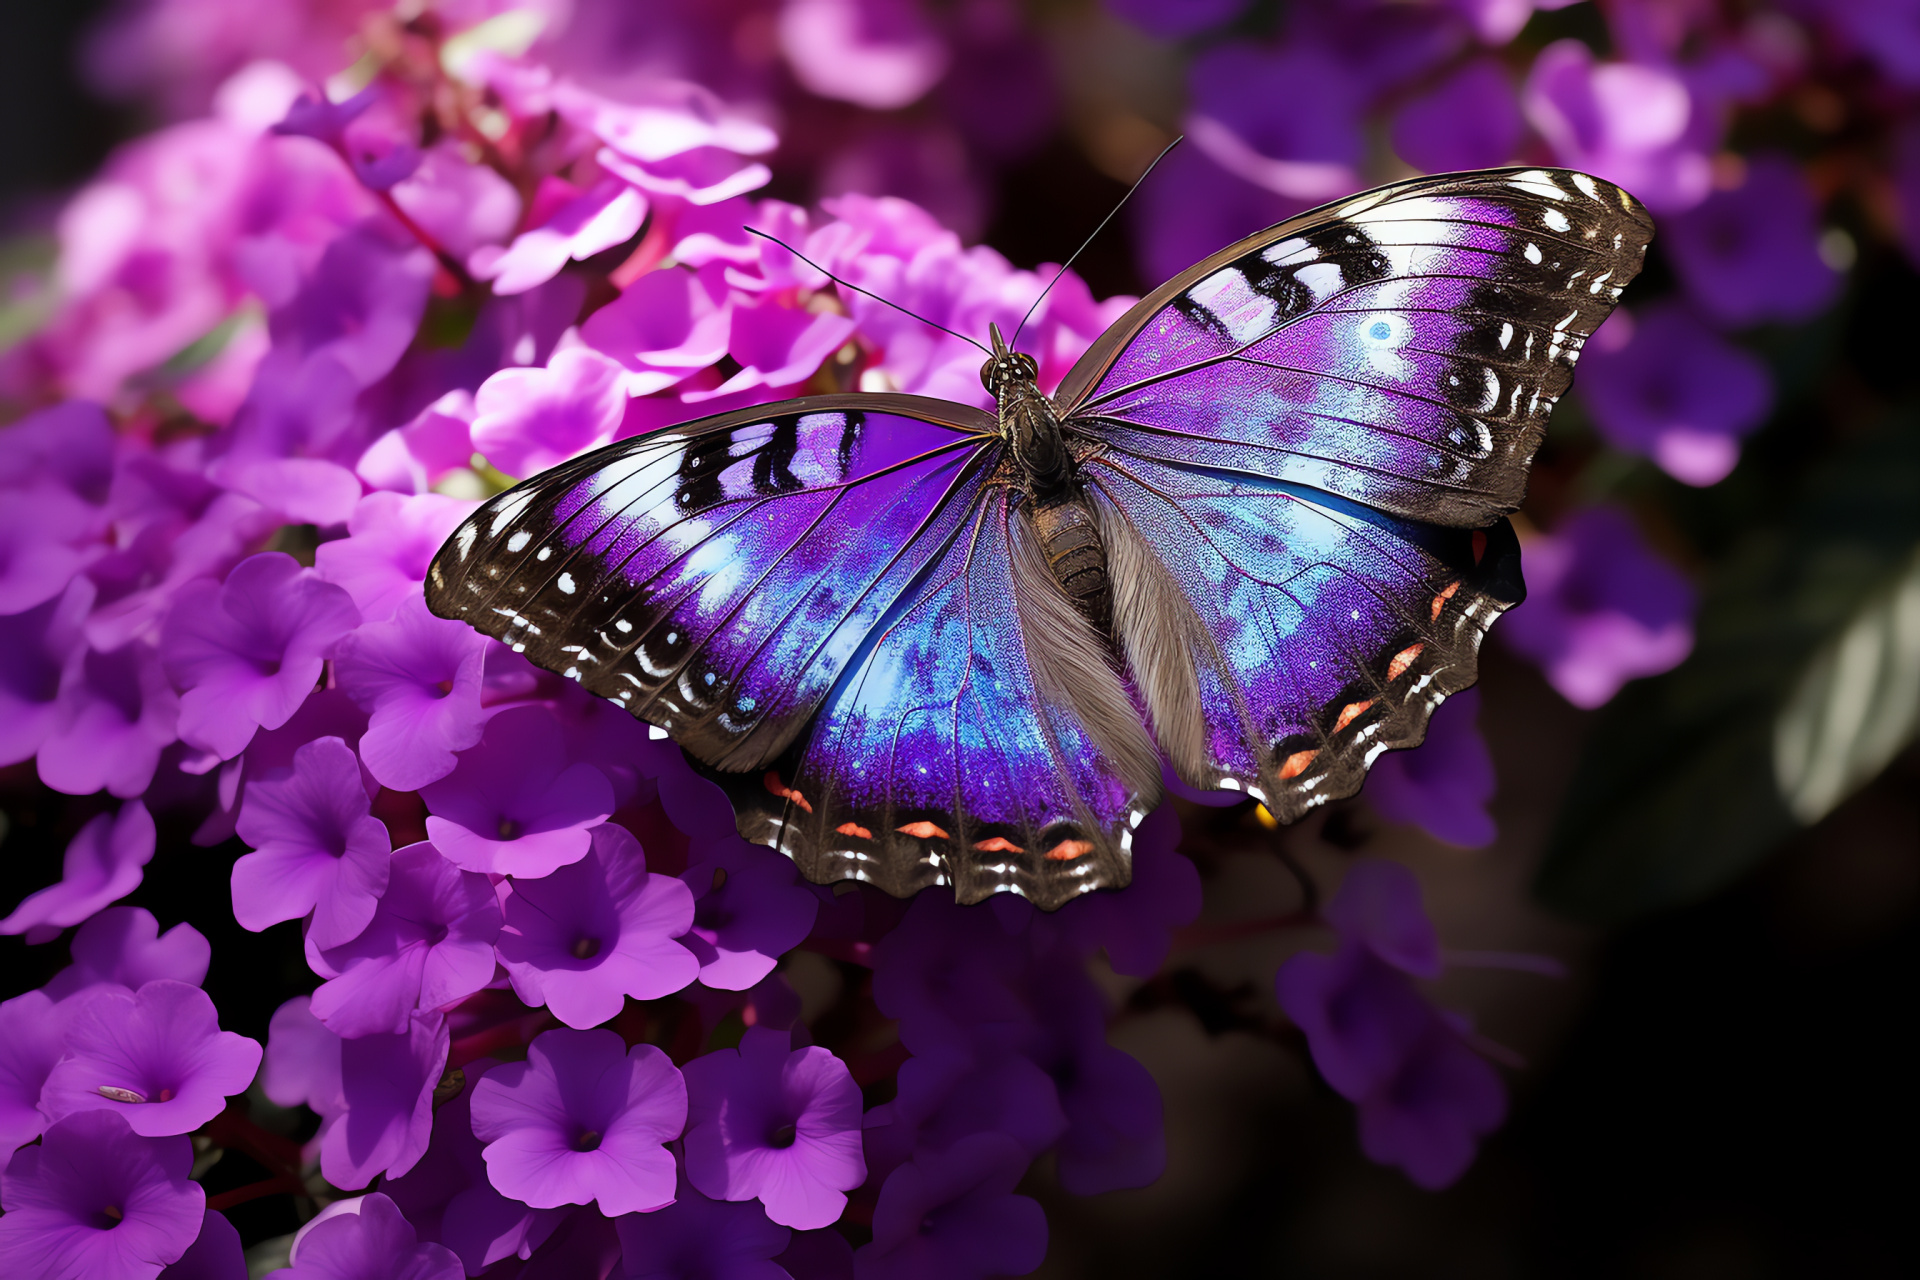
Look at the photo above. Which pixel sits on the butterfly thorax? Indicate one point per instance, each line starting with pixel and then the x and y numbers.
pixel 1057 507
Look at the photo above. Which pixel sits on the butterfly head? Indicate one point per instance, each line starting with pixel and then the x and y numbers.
pixel 1006 368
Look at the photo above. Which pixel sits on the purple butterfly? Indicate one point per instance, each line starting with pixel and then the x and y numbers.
pixel 1258 532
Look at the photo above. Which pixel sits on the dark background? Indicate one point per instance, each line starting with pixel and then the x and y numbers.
pixel 1723 1093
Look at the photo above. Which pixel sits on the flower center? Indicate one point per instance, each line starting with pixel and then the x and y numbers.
pixel 585 948
pixel 436 935
pixel 445 687
pixel 509 829
pixel 587 1140
pixel 118 1094
pixel 783 1137
pixel 111 1217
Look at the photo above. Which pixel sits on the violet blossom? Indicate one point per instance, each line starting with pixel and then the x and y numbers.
pixel 583 1120
pixel 512 805
pixel 33 1037
pixel 1470 120
pixel 372 1241
pixel 583 938
pixel 317 847
pixel 301 1066
pixel 390 540
pixel 124 946
pixel 419 676
pixel 1444 784
pixel 34 645
pixel 696 1236
pixel 570 224
pixel 104 862
pixel 525 420
pixel 96 1199
pixel 955 1216
pixel 215 1253
pixel 386 1096
pixel 1630 123
pixel 775 1124
pixel 1752 252
pixel 116 713
pixel 749 910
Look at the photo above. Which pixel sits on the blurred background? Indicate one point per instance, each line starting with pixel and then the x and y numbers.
pixel 1703 795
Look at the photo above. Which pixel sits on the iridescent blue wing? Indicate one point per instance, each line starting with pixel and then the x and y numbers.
pixel 716 579
pixel 1402 348
pixel 980 739
pixel 1282 637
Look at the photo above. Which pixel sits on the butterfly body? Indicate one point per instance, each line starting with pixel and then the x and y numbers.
pixel 1255 536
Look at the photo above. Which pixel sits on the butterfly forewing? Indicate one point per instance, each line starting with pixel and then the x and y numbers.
pixel 1402 348
pixel 717 579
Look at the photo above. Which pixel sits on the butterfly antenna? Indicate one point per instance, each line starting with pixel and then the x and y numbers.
pixel 848 284
pixel 1068 264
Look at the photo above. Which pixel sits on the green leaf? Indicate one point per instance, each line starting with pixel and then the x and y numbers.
pixel 1801 686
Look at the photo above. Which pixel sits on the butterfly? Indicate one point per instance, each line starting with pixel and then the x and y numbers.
pixel 1257 533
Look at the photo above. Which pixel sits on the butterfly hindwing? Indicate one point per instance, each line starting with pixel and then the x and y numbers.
pixel 1401 348
pixel 717 578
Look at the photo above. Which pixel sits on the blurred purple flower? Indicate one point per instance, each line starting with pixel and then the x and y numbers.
pixel 1429 1116
pixel 44 541
pixel 513 805
pixel 460 204
pixel 317 847
pixel 943 1097
pixel 944 970
pixel 955 1216
pixel 1602 608
pixel 215 1253
pixel 1360 1017
pixel 1135 925
pixel 249 650
pixel 1469 120
pixel 1443 785
pixel 663 327
pixel 878 54
pixel 1662 384
pixel 367 1240
pixel 390 541
pixel 429 944
pixel 695 1236
pixel 124 946
pixel 1192 207
pixel 34 647
pixel 420 677
pixel 576 225
pixel 71 442
pixel 749 910
pixel 302 1062
pixel 104 863
pixel 1752 253
pixel 526 420
pixel 386 1090
pixel 924 161
pixel 116 714
pixel 95 1199
pixel 1306 150
pixel 1177 19
pixel 583 938
pixel 1886 32
pixel 1000 92
pixel 1378 907
pixel 583 1120
pixel 156 1056
pixel 775 1124
pixel 413 458
pixel 778 346
pixel 1631 123
pixel 33 1036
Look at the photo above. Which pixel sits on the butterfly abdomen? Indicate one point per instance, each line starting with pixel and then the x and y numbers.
pixel 1070 540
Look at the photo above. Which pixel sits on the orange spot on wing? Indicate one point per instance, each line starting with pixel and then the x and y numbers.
pixel 999 844
pixel 1068 850
pixel 1440 601
pixel 1479 544
pixel 923 831
pixel 854 829
pixel 784 791
pixel 1296 764
pixel 1350 713
pixel 1402 660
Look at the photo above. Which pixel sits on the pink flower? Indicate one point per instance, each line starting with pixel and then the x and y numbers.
pixel 604 215
pixel 1630 123
pixel 878 54
pixel 390 540
pixel 663 327
pixel 526 420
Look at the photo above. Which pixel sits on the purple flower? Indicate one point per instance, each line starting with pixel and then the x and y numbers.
pixel 583 1120
pixel 104 863
pixel 116 714
pixel 778 346
pixel 1752 253
pixel 1429 1116
pixel 390 540
pixel 157 1056
pixel 749 910
pixel 583 938
pixel 249 650
pixel 1631 123
pixel 513 805
pixel 664 327
pixel 1305 151
pixel 215 1253
pixel 95 1199
pixel 367 1239
pixel 525 420
pixel 695 1236
pixel 414 458
pixel 945 970
pixel 1601 607
pixel 575 226
pixel 1192 207
pixel 41 532
pixel 33 1036
pixel 429 944
pixel 386 1089
pixel 302 1063
pixel 878 54
pixel 124 946
pixel 1135 925
pixel 943 1097
pixel 955 1217
pixel 420 678
pixel 1177 19
pixel 33 649
pixel 1378 907
pixel 317 845
pixel 775 1125
pixel 461 205
pixel 1470 120
pixel 1444 784
pixel 71 442
pixel 1662 384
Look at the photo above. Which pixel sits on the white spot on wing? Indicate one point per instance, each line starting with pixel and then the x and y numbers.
pixel 518 542
pixel 1533 253
pixel 1555 220
pixel 565 583
pixel 1232 301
